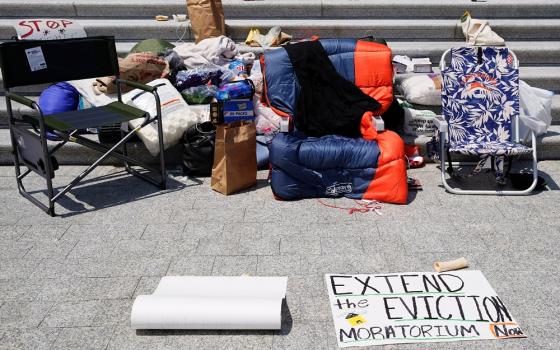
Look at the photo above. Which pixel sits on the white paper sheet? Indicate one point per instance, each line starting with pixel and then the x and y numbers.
pixel 202 302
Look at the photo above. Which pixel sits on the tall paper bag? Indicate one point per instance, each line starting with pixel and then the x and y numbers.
pixel 235 161
pixel 207 18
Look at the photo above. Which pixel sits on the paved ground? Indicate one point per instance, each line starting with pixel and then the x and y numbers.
pixel 69 282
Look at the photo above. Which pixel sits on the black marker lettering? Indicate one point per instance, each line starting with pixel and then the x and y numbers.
pixel 434 283
pixel 387 308
pixel 475 298
pixel 386 277
pixel 414 312
pixel 334 285
pixel 365 284
pixel 438 308
pixel 450 277
pixel 405 284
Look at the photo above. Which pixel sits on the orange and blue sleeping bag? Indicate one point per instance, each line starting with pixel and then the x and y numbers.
pixel 370 167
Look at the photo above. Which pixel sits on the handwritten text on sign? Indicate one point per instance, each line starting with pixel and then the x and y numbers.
pixel 48 29
pixel 417 307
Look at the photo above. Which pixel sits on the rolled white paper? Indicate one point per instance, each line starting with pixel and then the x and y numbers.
pixel 202 302
pixel 175 312
pixel 218 286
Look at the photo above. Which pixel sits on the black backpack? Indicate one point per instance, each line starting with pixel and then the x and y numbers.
pixel 198 149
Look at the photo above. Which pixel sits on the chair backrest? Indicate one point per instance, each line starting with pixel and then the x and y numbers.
pixel 38 62
pixel 480 94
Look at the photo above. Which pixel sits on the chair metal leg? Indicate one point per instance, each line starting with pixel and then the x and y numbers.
pixel 442 154
pixel 109 152
pixel 163 183
pixel 450 167
pixel 48 164
pixel 112 151
pixel 497 192
pixel 49 209
pixel 103 149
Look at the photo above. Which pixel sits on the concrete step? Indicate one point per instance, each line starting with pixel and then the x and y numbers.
pixel 545 77
pixel 548 149
pixel 530 53
pixel 411 29
pixel 20 109
pixel 374 9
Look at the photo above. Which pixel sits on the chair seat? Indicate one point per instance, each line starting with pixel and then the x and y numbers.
pixel 113 113
pixel 492 148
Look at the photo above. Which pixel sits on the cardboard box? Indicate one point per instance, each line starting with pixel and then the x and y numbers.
pixel 231 111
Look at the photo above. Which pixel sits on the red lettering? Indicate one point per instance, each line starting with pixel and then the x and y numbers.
pixel 36 23
pixel 53 24
pixel 65 22
pixel 24 24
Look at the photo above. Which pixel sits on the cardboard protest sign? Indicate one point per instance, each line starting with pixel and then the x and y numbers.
pixel 416 307
pixel 48 29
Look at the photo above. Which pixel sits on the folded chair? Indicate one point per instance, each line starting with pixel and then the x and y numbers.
pixel 480 105
pixel 39 62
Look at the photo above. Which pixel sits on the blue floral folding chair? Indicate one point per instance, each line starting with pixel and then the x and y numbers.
pixel 480 104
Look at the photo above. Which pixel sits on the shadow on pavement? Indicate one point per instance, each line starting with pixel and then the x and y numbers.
pixel 109 191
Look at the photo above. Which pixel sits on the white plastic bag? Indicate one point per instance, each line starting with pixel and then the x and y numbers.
pixel 534 110
pixel 175 112
pixel 257 78
pixel 267 122
pixel 423 89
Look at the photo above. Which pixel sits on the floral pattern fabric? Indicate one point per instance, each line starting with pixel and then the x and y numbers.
pixel 480 100
pixel 492 148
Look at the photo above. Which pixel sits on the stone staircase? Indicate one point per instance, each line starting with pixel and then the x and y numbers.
pixel 416 28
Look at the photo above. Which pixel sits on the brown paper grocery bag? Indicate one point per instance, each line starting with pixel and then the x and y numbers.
pixel 235 161
pixel 207 18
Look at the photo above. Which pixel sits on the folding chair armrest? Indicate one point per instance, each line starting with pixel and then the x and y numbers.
pixel 23 100
pixel 147 88
pixel 27 118
pixel 135 85
pixel 441 124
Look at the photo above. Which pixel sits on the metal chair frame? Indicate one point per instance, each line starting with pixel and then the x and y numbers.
pixel 118 150
pixel 443 130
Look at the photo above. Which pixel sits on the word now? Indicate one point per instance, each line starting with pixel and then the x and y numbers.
pixel 38 24
pixel 506 330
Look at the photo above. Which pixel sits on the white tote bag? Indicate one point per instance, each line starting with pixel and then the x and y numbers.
pixel 478 32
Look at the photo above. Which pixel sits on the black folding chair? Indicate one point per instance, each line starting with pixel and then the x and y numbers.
pixel 38 62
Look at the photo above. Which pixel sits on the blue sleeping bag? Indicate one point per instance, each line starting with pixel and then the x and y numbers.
pixel 331 166
pixel 58 98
